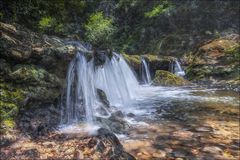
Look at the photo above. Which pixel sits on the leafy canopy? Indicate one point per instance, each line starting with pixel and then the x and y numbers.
pixel 99 29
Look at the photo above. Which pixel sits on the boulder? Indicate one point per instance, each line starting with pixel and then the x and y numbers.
pixel 108 139
pixel 33 69
pixel 215 62
pixel 165 78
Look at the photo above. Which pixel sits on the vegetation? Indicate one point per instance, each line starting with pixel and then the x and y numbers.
pixel 130 26
pixel 99 30
pixel 165 78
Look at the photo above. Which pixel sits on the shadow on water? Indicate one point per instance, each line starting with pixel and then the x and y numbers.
pixel 202 126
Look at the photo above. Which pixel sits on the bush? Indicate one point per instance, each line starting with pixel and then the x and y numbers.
pixel 50 25
pixel 99 30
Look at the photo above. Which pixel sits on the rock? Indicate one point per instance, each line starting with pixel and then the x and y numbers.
pixel 34 76
pixel 203 129
pixel 212 149
pixel 131 115
pixel 155 62
pixel 114 123
pixel 215 62
pixel 78 155
pixel 180 153
pixel 49 144
pixel 103 98
pixel 116 151
pixel 33 69
pixel 166 78
pixel 118 114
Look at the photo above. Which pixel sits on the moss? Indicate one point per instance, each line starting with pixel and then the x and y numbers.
pixel 234 51
pixel 9 123
pixel 166 78
pixel 133 59
pixel 33 75
pixel 11 99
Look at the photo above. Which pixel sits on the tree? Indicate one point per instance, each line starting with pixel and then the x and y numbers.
pixel 99 30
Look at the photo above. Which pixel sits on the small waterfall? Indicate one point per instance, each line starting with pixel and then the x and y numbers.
pixel 177 69
pixel 117 80
pixel 145 73
pixel 81 101
pixel 81 96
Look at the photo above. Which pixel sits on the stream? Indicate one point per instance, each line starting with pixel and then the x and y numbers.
pixel 183 122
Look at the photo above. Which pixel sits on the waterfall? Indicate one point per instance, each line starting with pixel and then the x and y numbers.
pixel 178 69
pixel 81 96
pixel 81 101
pixel 117 80
pixel 145 73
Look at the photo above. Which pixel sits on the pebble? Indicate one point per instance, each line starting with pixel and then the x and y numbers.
pixel 203 129
pixel 212 149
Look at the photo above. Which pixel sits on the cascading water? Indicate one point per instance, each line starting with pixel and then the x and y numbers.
pixel 145 73
pixel 178 69
pixel 81 100
pixel 81 97
pixel 117 80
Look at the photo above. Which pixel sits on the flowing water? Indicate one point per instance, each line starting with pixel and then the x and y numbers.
pixel 145 73
pixel 177 69
pixel 81 102
pixel 183 122
pixel 166 122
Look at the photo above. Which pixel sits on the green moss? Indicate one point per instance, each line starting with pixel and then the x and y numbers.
pixel 11 99
pixel 33 75
pixel 235 52
pixel 133 59
pixel 166 78
pixel 9 123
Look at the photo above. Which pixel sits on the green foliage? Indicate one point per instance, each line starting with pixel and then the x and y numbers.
pixel 10 101
pixel 132 26
pixel 99 30
pixel 235 51
pixel 46 23
pixel 158 10
pixel 50 24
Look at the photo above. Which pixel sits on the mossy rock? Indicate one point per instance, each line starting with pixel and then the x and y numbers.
pixel 11 98
pixel 165 78
pixel 33 75
pixel 134 60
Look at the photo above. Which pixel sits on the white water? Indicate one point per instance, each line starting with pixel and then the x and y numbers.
pixel 115 78
pixel 178 69
pixel 81 96
pixel 146 77
pixel 122 89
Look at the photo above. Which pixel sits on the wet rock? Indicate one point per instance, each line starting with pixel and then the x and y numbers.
pixel 180 153
pixel 131 115
pixel 114 123
pixel 103 98
pixel 118 114
pixel 109 139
